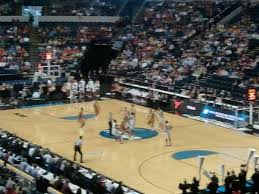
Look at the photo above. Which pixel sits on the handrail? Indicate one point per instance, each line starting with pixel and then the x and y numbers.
pixel 28 177
pixel 92 171
pixel 150 88
pixel 76 19
pixel 53 191
pixel 19 172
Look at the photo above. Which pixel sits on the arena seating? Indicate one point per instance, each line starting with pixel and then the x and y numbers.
pixel 15 181
pixel 171 46
pixel 85 8
pixel 218 55
pixel 8 7
pixel 51 169
pixel 14 50
pixel 68 42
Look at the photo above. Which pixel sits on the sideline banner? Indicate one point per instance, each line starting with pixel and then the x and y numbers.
pixel 223 115
pixel 186 106
pixel 195 108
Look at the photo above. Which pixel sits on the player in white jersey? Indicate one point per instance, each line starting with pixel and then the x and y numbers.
pixel 74 91
pixel 91 86
pixel 67 88
pixel 88 90
pixel 131 122
pixel 81 87
pixel 93 91
pixel 132 109
pixel 97 88
pixel 75 86
pixel 167 131
pixel 115 131
pixel 124 128
pixel 161 119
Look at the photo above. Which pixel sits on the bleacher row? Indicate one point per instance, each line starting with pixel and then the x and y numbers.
pixel 218 61
pixel 57 7
pixel 51 170
pixel 157 53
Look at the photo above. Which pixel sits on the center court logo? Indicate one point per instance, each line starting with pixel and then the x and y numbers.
pixel 138 134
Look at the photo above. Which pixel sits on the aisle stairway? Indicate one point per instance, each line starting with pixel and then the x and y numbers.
pixel 34 53
pixel 131 8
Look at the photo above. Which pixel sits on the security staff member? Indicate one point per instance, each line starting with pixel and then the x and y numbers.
pixel 77 148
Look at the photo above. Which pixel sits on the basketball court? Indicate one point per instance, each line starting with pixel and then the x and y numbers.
pixel 144 164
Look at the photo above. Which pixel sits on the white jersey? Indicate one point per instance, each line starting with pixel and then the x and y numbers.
pixel 81 86
pixel 131 122
pixel 93 89
pixel 115 131
pixel 156 96
pixel 161 114
pixel 168 128
pixel 68 85
pixel 75 87
pixel 97 86
pixel 87 88
pixel 91 84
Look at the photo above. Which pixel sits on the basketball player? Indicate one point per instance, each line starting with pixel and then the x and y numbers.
pixel 110 120
pixel 81 121
pixel 96 109
pixel 132 109
pixel 124 127
pixel 161 119
pixel 131 122
pixel 93 90
pixel 115 132
pixel 167 131
pixel 151 119
pixel 81 87
pixel 97 88
pixel 88 91
pixel 91 87
pixel 77 148
pixel 73 91
pixel 126 113
pixel 81 118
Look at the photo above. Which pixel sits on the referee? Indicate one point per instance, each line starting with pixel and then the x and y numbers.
pixel 77 148
pixel 110 123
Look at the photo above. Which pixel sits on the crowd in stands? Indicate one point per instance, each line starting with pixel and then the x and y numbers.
pixel 85 8
pixel 155 54
pixel 14 48
pixel 161 49
pixel 53 170
pixel 8 7
pixel 68 43
pixel 12 183
pixel 64 8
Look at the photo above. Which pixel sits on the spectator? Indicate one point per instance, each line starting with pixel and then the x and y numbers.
pixel 194 186
pixel 213 185
pixel 255 179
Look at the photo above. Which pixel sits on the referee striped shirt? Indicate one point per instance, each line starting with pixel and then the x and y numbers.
pixel 78 142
